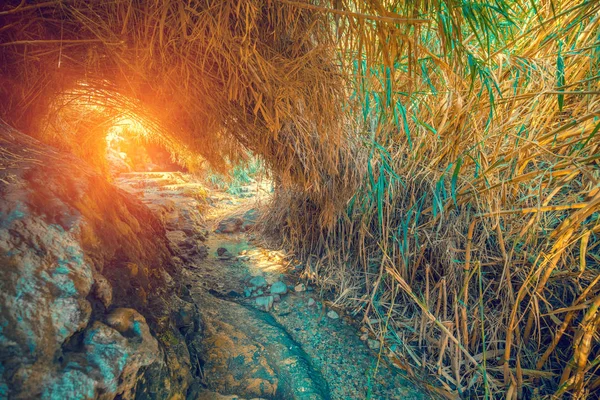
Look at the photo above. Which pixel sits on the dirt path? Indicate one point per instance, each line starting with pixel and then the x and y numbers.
pixel 263 337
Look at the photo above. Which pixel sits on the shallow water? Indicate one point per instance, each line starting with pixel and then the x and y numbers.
pixel 293 350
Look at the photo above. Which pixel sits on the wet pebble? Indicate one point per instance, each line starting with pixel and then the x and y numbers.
pixel 279 288
pixel 332 314
pixel 300 287
pixel 373 344
pixel 265 302
pixel 311 302
pixel 258 281
pixel 223 253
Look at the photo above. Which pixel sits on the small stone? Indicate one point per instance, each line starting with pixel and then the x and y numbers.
pixel 332 314
pixel 276 297
pixel 364 337
pixel 259 292
pixel 311 302
pixel 102 290
pixel 247 292
pixel 300 287
pixel 184 316
pixel 230 225
pixel 224 254
pixel 265 301
pixel 279 288
pixel 124 319
pixel 258 281
pixel 373 344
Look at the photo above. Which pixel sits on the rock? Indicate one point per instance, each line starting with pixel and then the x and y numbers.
pixel 279 288
pixel 102 289
pixel 201 251
pixel 177 237
pixel 186 244
pixel 70 243
pixel 185 317
pixel 238 223
pixel 224 254
pixel 311 302
pixel 247 292
pixel 258 281
pixel 259 292
pixel 364 337
pixel 373 344
pixel 332 314
pixel 123 320
pixel 230 225
pixel 120 359
pixel 276 298
pixel 265 301
pixel 300 287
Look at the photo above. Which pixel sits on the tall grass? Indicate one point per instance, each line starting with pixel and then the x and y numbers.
pixel 471 246
pixel 240 174
pixel 459 139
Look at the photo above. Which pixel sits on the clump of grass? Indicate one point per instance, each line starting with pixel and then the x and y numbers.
pixel 241 174
pixel 471 244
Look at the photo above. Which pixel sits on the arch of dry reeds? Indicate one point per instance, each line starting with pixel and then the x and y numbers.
pixel 442 154
pixel 212 78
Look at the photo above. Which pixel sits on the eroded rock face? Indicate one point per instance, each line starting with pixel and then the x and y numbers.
pixel 89 300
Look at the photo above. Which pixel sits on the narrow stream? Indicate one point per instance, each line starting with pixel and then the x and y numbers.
pixel 263 336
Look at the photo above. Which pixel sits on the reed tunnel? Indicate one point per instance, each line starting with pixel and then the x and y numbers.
pixel 290 199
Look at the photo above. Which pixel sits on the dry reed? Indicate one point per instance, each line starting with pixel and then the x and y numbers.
pixel 438 159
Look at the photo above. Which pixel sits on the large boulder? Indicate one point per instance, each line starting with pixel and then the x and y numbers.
pixel 89 299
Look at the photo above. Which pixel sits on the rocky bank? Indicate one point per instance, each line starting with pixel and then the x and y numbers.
pixel 90 304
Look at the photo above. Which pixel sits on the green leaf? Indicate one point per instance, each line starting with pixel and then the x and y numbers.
pixel 560 76
pixel 455 178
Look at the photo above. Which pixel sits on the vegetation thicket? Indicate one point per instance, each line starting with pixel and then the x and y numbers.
pixel 436 160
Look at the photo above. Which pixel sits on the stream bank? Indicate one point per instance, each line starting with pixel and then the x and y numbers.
pixel 265 334
pixel 155 288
